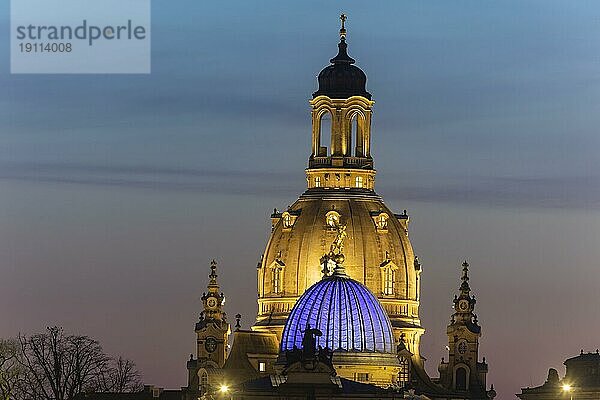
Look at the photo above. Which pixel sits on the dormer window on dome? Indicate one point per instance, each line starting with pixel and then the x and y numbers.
pixel 287 220
pixel 388 276
pixel 381 221
pixel 276 280
pixel 277 267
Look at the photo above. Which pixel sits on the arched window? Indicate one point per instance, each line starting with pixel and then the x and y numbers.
pixel 404 373
pixel 276 280
pixel 388 283
pixel 324 134
pixel 461 378
pixel 203 379
pixel 276 269
pixel 359 182
pixel 317 181
pixel 355 137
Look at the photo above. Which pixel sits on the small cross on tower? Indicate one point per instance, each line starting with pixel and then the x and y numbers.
pixel 343 18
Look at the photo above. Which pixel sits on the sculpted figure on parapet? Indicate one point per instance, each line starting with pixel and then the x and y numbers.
pixel 338 244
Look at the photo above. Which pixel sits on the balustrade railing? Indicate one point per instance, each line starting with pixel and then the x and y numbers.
pixel 352 162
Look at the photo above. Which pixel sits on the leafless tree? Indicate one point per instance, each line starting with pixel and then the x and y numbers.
pixel 59 366
pixel 11 371
pixel 118 376
pixel 124 377
pixel 55 366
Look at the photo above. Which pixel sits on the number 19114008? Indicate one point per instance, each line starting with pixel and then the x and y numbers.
pixel 46 47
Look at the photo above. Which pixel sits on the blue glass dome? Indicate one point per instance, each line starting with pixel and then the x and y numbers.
pixel 347 313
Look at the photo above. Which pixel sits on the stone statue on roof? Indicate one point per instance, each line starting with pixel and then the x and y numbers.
pixel 309 341
pixel 338 244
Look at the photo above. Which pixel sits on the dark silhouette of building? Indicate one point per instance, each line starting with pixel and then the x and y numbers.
pixel 581 381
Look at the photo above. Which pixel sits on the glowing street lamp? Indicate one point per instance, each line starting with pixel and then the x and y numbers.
pixel 568 389
pixel 224 389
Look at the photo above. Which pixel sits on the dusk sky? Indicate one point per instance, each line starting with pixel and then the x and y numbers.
pixel 116 191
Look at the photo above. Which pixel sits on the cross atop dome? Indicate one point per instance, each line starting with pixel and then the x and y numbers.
pixel 340 80
pixel 343 28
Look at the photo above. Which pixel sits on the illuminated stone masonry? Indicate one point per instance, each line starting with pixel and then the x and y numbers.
pixel 338 284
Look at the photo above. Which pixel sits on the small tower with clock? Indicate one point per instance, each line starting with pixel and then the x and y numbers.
pixel 463 372
pixel 212 331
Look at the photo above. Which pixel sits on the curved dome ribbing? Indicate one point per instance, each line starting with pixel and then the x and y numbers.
pixel 347 313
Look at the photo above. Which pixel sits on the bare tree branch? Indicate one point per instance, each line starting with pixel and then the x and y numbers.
pixel 121 376
pixel 58 366
pixel 11 371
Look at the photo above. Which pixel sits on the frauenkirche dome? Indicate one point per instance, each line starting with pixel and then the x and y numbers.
pixel 341 190
pixel 338 284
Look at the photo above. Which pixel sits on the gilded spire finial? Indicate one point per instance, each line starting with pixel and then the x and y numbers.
pixel 213 285
pixel 464 287
pixel 343 18
pixel 213 270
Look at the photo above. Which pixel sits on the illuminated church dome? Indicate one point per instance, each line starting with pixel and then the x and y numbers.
pixel 341 191
pixel 338 283
pixel 346 312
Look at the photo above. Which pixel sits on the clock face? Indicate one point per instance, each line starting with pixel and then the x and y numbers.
pixel 210 344
pixel 462 347
pixel 211 302
pixel 463 305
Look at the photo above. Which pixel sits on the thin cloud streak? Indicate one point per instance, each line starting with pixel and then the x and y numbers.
pixel 164 179
pixel 557 193
pixel 134 170
pixel 554 192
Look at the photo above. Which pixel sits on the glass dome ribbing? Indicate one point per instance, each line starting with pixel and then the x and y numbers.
pixel 347 313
